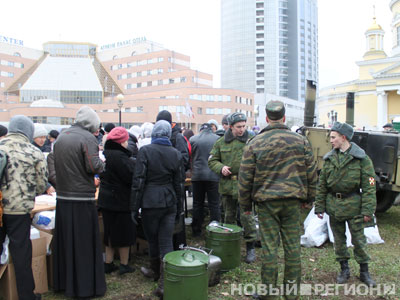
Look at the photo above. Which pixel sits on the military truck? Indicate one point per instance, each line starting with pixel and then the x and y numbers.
pixel 383 149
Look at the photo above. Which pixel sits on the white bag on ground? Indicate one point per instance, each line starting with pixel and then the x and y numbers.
pixel 45 219
pixel 315 230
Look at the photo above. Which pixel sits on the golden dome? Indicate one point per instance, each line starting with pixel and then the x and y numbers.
pixel 374 26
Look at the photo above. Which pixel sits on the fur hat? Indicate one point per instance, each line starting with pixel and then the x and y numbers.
pixel 344 129
pixel 118 135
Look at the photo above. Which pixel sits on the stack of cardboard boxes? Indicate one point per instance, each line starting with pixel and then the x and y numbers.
pixel 8 288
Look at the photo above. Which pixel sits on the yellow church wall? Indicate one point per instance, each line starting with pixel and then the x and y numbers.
pixel 393 105
pixel 365 110
pixel 365 70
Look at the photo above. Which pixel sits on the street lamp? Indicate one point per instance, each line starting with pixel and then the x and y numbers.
pixel 120 97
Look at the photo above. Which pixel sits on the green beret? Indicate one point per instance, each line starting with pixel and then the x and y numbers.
pixel 236 117
pixel 344 129
pixel 275 110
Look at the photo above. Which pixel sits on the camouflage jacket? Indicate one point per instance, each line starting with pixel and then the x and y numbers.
pixel 352 177
pixel 227 151
pixel 277 164
pixel 27 174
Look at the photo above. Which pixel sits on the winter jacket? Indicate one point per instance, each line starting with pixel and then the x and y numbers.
pixel 27 174
pixel 157 180
pixel 202 144
pixel 228 151
pixel 52 170
pixel 76 158
pixel 346 187
pixel 116 180
pixel 132 146
pixel 179 142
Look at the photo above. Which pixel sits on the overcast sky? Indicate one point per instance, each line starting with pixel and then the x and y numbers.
pixel 190 27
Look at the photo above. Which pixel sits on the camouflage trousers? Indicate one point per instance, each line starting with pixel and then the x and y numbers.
pixel 280 217
pixel 358 239
pixel 249 225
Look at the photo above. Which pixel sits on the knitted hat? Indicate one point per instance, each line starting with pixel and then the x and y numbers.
pixel 109 127
pixel 212 121
pixel 3 130
pixel 22 124
pixel 344 129
pixel 118 135
pixel 388 125
pixel 54 133
pixel 275 110
pixel 164 115
pixel 40 130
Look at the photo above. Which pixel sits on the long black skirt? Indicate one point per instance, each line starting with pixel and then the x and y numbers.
pixel 119 229
pixel 78 259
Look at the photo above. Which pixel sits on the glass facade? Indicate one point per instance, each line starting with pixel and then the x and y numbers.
pixel 84 97
pixel 269 46
pixel 70 49
pixel 238 19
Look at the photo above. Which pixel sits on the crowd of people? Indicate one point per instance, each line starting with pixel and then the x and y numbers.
pixel 140 174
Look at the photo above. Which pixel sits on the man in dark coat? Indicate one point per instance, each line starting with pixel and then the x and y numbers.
pixel 204 181
pixel 78 259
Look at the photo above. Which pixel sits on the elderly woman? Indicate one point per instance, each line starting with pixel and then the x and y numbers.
pixel 155 189
pixel 114 197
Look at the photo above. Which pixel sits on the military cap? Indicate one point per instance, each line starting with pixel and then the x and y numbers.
pixel 344 129
pixel 275 110
pixel 388 125
pixel 236 117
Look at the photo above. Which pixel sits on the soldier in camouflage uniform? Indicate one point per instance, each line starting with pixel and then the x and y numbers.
pixel 224 160
pixel 27 177
pixel 278 173
pixel 346 192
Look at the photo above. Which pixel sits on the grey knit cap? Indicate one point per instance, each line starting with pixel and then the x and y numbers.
pixel 162 128
pixel 22 124
pixel 344 129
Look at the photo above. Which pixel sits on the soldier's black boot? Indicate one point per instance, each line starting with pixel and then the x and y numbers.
pixel 159 292
pixel 154 271
pixel 345 272
pixel 364 275
pixel 250 252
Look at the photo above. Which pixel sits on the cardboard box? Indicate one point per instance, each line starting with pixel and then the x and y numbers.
pixel 8 287
pixel 141 247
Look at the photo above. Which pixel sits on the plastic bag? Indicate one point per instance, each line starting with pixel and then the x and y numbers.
pixel 45 219
pixel 315 230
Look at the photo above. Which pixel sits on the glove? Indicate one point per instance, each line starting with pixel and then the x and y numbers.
pixel 134 216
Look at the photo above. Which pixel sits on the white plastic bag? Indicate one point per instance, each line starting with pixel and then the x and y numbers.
pixel 4 255
pixel 315 230
pixel 45 219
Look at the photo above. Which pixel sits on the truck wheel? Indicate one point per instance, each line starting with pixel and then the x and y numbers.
pixel 384 200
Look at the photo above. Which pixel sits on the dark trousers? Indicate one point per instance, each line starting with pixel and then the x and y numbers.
pixel 18 227
pixel 200 189
pixel 158 227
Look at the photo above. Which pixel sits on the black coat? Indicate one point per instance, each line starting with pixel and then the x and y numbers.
pixel 116 180
pixel 157 180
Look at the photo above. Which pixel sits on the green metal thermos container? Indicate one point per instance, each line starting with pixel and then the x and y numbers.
pixel 225 243
pixel 185 275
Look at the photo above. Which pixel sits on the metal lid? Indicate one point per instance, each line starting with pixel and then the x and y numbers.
pixel 223 228
pixel 186 258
